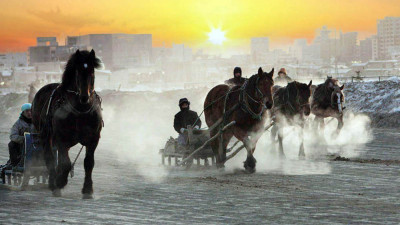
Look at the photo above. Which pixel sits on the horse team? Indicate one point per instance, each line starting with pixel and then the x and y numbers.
pixel 247 106
pixel 69 113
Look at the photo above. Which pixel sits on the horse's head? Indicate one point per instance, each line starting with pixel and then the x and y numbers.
pixel 337 97
pixel 79 74
pixel 263 83
pixel 303 97
pixel 330 83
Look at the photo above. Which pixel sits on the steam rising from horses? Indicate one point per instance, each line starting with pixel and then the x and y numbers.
pixel 138 124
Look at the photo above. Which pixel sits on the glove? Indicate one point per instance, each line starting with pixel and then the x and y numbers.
pixel 182 130
pixel 196 127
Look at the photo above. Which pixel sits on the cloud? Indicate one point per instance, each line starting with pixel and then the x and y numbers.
pixel 61 18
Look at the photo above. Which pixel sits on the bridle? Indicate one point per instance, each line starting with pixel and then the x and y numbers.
pixel 244 100
pixel 339 102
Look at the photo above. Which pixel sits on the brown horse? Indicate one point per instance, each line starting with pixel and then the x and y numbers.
pixel 244 104
pixel 291 104
pixel 67 114
pixel 328 101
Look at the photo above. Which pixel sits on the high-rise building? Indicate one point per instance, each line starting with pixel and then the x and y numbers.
pixel 47 50
pixel 388 36
pixel 259 49
pixel 117 50
pixel 366 49
pixel 297 50
pixel 348 44
pixel 324 43
pixel 375 47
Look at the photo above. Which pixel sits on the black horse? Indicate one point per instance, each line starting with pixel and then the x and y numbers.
pixel 291 104
pixel 67 114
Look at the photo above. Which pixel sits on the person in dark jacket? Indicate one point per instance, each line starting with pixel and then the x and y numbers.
pixel 184 118
pixel 237 79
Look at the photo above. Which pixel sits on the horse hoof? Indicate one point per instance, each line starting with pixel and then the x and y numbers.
pixel 56 193
pixel 282 156
pixel 220 165
pixel 87 196
pixel 249 170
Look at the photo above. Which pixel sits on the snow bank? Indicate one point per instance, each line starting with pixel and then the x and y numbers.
pixel 380 100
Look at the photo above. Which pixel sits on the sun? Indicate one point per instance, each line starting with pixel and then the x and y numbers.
pixel 216 36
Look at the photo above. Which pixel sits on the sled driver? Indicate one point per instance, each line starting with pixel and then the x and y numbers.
pixel 16 144
pixel 184 118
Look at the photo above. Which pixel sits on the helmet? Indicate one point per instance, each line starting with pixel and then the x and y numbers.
pixel 26 106
pixel 183 100
pixel 237 70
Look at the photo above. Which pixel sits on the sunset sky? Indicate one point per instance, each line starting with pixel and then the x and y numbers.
pixel 186 21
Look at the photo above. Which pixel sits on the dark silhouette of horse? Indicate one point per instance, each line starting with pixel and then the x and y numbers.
pixel 291 104
pixel 244 104
pixel 67 114
pixel 327 101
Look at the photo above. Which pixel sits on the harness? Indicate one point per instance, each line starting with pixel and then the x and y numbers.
pixel 244 101
pixel 70 106
pixel 292 108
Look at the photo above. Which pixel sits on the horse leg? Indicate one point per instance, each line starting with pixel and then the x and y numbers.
pixel 63 167
pixel 226 137
pixel 250 163
pixel 340 123
pixel 87 189
pixel 321 125
pixel 218 152
pixel 50 164
pixel 274 131
pixel 280 138
pixel 302 155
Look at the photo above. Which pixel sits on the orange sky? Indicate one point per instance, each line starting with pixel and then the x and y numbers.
pixel 187 21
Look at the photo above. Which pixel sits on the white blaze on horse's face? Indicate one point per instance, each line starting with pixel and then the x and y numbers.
pixel 85 65
pixel 339 102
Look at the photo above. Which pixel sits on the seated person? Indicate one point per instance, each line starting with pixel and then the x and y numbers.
pixel 15 146
pixel 184 118
pixel 237 79
pixel 282 79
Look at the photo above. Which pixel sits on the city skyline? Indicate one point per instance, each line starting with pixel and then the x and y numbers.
pixel 190 22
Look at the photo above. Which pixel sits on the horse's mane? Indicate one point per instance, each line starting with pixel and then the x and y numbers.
pixel 322 93
pixel 71 66
pixel 252 81
pixel 286 94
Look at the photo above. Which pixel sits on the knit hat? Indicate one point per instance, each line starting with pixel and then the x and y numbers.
pixel 282 70
pixel 26 106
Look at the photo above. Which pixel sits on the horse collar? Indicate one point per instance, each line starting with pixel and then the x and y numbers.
pixel 243 100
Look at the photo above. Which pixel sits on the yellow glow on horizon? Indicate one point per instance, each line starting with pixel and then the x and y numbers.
pixel 187 21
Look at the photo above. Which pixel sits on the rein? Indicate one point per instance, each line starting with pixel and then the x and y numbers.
pixel 92 106
pixel 73 164
pixel 243 100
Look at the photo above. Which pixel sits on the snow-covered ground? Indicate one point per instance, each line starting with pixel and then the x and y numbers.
pixel 131 187
pixel 380 100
